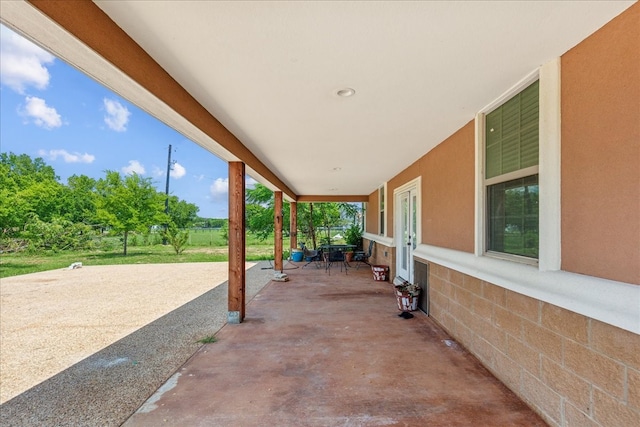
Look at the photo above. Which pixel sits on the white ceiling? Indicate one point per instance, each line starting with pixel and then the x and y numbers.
pixel 269 71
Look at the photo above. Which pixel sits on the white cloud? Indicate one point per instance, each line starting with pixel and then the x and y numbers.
pixel 177 171
pixel 74 157
pixel 117 115
pixel 42 115
pixel 134 167
pixel 22 63
pixel 250 182
pixel 220 188
pixel 157 172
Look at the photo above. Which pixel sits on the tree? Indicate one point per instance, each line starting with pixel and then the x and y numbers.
pixel 27 187
pixel 14 209
pixel 79 199
pixel 57 234
pixel 181 213
pixel 260 212
pixel 349 210
pixel 307 218
pixel 224 232
pixel 23 171
pixel 329 217
pixel 129 204
pixel 209 222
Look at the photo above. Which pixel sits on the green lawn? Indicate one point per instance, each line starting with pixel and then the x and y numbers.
pixel 205 246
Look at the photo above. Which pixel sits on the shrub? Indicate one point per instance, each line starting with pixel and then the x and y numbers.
pixel 57 235
pixel 177 238
pixel 353 236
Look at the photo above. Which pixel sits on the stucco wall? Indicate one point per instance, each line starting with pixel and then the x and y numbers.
pixel 448 192
pixel 601 152
pixel 447 174
pixel 408 174
pixel 371 215
pixel 600 169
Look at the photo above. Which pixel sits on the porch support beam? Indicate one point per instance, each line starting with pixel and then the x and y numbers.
pixel 237 243
pixel 293 225
pixel 277 226
pixel 94 28
pixel 332 198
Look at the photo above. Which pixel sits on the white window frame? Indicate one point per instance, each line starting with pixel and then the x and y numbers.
pixel 363 220
pixel 414 184
pixel 548 169
pixel 608 301
pixel 382 191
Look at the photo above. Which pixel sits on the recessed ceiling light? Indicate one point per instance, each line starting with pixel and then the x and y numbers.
pixel 346 92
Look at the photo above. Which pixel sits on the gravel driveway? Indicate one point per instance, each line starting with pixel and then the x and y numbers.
pixel 104 336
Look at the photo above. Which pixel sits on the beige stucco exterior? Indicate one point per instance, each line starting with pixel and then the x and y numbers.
pixel 600 163
pixel 569 365
pixel 448 191
pixel 601 152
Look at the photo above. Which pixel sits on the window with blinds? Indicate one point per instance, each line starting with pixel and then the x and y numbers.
pixel 511 175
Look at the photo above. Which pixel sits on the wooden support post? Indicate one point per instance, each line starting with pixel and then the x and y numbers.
pixel 237 242
pixel 277 226
pixel 293 225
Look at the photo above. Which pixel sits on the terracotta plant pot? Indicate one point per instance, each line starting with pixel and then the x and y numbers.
pixel 348 256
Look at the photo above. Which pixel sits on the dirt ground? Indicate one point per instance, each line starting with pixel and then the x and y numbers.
pixel 52 320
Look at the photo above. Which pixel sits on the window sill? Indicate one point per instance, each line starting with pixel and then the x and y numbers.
pixel 383 240
pixel 611 302
pixel 512 258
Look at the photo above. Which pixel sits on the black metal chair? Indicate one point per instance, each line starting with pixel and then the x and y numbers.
pixel 363 257
pixel 335 257
pixel 311 255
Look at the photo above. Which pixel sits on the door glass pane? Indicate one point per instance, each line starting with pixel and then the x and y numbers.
pixel 405 232
pixel 414 221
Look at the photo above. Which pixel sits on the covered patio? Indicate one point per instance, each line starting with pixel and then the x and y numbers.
pixel 324 350
pixel 395 102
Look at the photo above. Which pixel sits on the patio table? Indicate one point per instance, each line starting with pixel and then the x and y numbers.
pixel 329 255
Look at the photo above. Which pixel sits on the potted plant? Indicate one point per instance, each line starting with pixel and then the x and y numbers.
pixel 407 294
pixel 352 236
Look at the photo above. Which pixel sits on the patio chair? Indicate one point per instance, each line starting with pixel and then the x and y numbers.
pixel 335 257
pixel 363 257
pixel 310 256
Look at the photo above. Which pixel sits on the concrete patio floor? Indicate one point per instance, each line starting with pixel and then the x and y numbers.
pixel 331 350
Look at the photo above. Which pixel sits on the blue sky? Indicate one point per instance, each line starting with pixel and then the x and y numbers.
pixel 49 109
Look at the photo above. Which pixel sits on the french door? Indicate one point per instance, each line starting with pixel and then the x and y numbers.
pixel 406 231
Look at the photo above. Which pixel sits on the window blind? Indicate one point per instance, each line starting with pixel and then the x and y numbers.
pixel 512 134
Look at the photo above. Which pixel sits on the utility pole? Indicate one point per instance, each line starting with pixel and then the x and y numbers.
pixel 166 200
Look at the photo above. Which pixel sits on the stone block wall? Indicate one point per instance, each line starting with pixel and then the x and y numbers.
pixel 382 255
pixel 572 370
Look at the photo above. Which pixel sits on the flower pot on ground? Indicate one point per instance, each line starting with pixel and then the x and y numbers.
pixel 380 272
pixel 348 256
pixel 406 295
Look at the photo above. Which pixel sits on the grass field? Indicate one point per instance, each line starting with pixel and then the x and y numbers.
pixel 204 246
